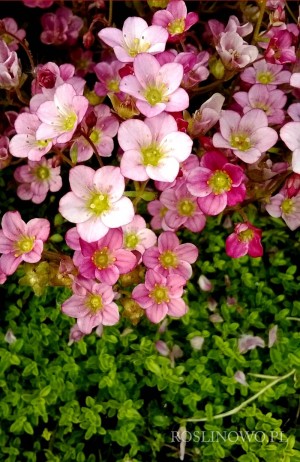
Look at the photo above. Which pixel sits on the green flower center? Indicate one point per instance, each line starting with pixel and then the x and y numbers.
pixel 131 241
pixel 168 259
pixel 287 206
pixel 42 173
pixel 265 77
pixel 176 27
pixel 94 303
pixel 151 155
pixel 137 46
pixel 95 136
pixel 240 141
pixel 262 106
pixel 7 38
pixel 155 95
pixel 246 236
pixel 69 121
pixel 42 143
pixel 160 294
pixel 24 245
pixel 220 182
pixel 99 203
pixel 102 258
pixel 113 85
pixel 186 208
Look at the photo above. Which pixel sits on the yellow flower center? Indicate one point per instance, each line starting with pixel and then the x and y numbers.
pixel 24 245
pixel 159 294
pixel 246 236
pixel 42 173
pixel 42 143
pixel 95 136
pixel 287 206
pixel 7 38
pixel 99 203
pixel 151 155
pixel 131 241
pixel 240 141
pixel 176 27
pixel 168 259
pixel 94 303
pixel 220 182
pixel 138 46
pixel 102 258
pixel 155 95
pixel 163 211
pixel 186 208
pixel 265 77
pixel 113 85
pixel 69 121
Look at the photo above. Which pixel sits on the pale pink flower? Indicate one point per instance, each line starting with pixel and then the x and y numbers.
pixel 246 239
pixel 160 296
pixel 272 336
pixel 175 19
pixel 92 304
pixel 290 134
pixel 185 168
pixel 24 143
pixel 136 37
pixel 10 70
pixel 294 111
pixel 10 25
pixel 248 136
pixel 182 209
pixel 204 283
pixel 20 241
pixel 105 259
pixel 108 76
pixel 37 179
pixel 158 211
pixel 61 116
pixel 61 27
pixel 83 61
pixel 266 74
pixel 155 87
pixel 249 342
pixel 295 80
pixel 240 377
pixel 9 337
pixel 136 236
pixel 195 67
pixel 280 49
pixel 197 342
pixel 153 148
pixel 49 76
pixel 207 115
pixel 234 52
pixel 96 202
pixel 260 97
pixel 171 257
pixel 216 28
pixel 216 183
pixel 288 208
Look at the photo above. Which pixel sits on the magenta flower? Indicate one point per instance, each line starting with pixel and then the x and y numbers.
pixel 260 97
pixel 280 49
pixel 217 183
pixel 136 37
pixel 234 52
pixel 60 27
pixel 108 76
pixel 49 76
pixel 37 179
pixel 20 241
pixel 155 87
pixel 96 203
pixel 171 257
pixel 248 136
pixel 92 304
pixel 266 74
pixel 246 239
pixel 288 208
pixel 290 134
pixel 38 3
pixel 136 236
pixel 160 296
pixel 182 209
pixel 249 342
pixel 61 116
pixel 153 148
pixel 10 70
pixel 10 25
pixel 105 259
pixel 175 19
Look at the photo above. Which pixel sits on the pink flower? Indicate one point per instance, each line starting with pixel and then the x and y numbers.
pixel 10 25
pixel 171 257
pixel 182 209
pixel 234 52
pixel 5 157
pixel 246 239
pixel 96 203
pixel 20 241
pixel 92 304
pixel 37 179
pixel 38 3
pixel 280 49
pixel 290 134
pixel 266 74
pixel 240 377
pixel 175 19
pixel 49 76
pixel 204 283
pixel 160 296
pixel 60 27
pixel 105 259
pixel 207 115
pixel 153 148
pixel 158 212
pixel 61 116
pixel 136 236
pixel 108 76
pixel 292 185
pixel 155 87
pixel 248 136
pixel 249 342
pixel 10 70
pixel 136 37
pixel 216 28
pixel 75 334
pixel 217 183
pixel 260 97
pixel 286 207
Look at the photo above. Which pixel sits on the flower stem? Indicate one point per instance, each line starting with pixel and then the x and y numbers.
pixel 291 318
pixel 244 403
pixel 262 8
pixel 110 12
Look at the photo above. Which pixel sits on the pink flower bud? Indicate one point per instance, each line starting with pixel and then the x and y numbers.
pixel 240 377
pixel 162 348
pixel 197 342
pixel 204 283
pixel 10 337
pixel 272 336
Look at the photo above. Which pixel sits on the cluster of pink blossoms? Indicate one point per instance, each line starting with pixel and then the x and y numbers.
pixel 133 120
